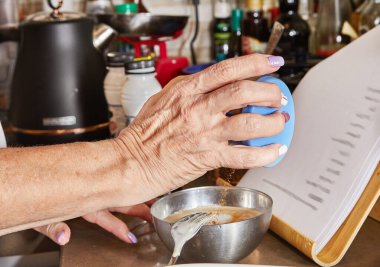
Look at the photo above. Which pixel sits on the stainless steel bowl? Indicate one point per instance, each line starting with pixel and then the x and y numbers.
pixel 144 24
pixel 225 243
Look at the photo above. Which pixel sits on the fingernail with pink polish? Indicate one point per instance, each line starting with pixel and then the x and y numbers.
pixel 284 100
pixel 132 237
pixel 286 116
pixel 61 238
pixel 276 61
pixel 282 150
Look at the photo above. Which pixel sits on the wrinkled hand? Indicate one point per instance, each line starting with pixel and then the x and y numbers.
pixel 60 232
pixel 183 131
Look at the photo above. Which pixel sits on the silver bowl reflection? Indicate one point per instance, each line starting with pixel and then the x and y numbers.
pixel 224 243
pixel 144 24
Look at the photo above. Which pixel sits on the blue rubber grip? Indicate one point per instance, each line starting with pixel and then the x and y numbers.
pixel 285 137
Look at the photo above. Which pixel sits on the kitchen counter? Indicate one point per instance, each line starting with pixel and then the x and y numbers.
pixel 92 246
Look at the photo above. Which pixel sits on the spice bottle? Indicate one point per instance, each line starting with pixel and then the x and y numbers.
pixel 141 84
pixel 221 31
pixel 113 84
pixel 235 46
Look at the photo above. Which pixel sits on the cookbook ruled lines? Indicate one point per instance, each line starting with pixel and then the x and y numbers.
pixel 291 194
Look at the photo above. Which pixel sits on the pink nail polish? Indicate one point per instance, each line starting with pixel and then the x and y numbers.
pixel 276 61
pixel 61 238
pixel 286 116
pixel 132 237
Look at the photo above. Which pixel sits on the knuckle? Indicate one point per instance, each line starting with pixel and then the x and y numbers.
pixel 201 140
pixel 241 91
pixel 224 69
pixel 190 141
pixel 176 80
pixel 232 91
pixel 186 114
pixel 253 122
pixel 209 160
pixel 182 83
pixel 257 66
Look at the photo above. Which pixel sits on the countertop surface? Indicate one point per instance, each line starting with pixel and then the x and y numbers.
pixel 92 246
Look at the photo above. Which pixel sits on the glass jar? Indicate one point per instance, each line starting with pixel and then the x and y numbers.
pixel 333 14
pixel 370 16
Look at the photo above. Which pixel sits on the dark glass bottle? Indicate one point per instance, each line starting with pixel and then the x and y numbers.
pixel 235 47
pixel 221 30
pixel 294 43
pixel 255 26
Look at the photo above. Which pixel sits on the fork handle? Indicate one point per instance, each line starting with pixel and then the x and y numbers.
pixel 173 260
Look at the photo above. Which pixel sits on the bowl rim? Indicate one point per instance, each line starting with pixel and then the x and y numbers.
pixel 153 207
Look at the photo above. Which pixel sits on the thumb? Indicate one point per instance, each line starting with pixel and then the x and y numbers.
pixel 58 232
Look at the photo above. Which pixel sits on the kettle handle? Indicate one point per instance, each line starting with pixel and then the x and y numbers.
pixel 10 33
pixel 55 13
pixel 102 36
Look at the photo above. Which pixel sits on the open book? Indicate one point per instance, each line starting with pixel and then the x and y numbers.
pixel 327 184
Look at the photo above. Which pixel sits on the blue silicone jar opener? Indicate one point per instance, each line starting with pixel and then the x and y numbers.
pixel 285 137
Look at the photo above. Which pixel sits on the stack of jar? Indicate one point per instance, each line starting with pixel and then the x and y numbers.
pixel 129 83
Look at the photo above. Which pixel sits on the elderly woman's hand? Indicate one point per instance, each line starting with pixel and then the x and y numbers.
pixel 183 131
pixel 60 232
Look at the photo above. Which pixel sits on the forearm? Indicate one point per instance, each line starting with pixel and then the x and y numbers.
pixel 41 185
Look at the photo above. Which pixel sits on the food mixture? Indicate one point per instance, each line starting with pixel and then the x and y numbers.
pixel 224 214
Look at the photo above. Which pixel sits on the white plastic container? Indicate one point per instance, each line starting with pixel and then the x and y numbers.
pixel 113 85
pixel 141 84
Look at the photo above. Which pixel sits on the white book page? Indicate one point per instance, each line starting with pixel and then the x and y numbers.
pixel 336 144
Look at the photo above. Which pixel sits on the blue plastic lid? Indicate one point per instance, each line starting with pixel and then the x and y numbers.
pixel 196 68
pixel 285 137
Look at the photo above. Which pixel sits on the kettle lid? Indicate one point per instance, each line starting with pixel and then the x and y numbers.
pixel 55 15
pixel 47 17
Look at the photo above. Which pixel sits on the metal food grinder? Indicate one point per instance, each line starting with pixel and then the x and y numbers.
pixel 57 91
pixel 153 31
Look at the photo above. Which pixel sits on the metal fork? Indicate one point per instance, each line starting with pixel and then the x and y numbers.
pixel 185 228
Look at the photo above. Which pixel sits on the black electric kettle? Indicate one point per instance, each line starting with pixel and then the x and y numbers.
pixel 57 91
